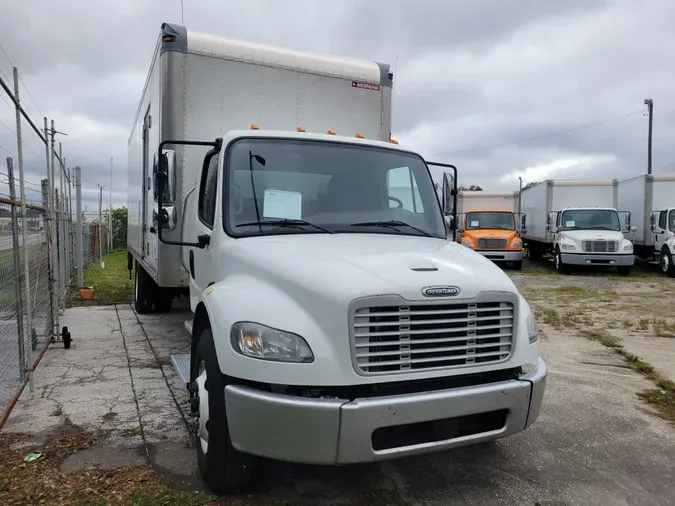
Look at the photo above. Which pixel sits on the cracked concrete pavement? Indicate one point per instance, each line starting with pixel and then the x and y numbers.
pixel 594 443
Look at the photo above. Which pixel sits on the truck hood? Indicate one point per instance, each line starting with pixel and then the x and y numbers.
pixel 577 236
pixel 356 265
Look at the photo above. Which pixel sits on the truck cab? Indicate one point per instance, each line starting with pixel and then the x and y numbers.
pixel 662 228
pixel 493 233
pixel 591 236
pixel 327 298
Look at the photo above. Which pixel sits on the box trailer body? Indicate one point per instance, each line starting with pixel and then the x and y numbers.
pixel 488 225
pixel 324 297
pixel 201 86
pixel 650 199
pixel 577 221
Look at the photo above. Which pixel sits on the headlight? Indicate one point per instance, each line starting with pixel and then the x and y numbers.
pixel 628 247
pixel 531 328
pixel 258 341
pixel 517 244
pixel 468 244
pixel 569 246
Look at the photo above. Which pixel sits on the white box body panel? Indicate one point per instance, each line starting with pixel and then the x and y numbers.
pixel 643 195
pixel 202 86
pixel 469 200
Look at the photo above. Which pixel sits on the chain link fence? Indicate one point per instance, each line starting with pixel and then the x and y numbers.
pixel 26 320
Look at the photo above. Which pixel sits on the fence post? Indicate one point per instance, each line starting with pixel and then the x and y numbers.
pixel 18 309
pixel 26 260
pixel 77 172
pixel 62 243
pixel 71 257
pixel 54 211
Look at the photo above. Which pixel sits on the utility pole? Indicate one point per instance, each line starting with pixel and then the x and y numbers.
pixel 650 110
pixel 100 227
pixel 50 226
pixel 110 235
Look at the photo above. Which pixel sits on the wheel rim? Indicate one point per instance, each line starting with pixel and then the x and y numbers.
pixel 665 262
pixel 557 261
pixel 203 393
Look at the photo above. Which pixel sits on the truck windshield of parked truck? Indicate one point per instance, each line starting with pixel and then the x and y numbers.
pixel 590 219
pixel 490 220
pixel 284 186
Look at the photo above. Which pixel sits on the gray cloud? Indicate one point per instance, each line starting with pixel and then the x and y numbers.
pixel 469 75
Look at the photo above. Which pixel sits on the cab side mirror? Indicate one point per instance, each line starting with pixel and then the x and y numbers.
pixel 652 223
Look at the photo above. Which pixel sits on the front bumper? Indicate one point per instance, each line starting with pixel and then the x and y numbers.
pixel 501 255
pixel 340 431
pixel 607 260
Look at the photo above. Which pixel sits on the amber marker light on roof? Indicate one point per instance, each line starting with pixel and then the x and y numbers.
pixel 255 127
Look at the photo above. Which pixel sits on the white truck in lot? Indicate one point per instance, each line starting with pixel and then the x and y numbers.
pixel 488 224
pixel 651 202
pixel 333 322
pixel 578 223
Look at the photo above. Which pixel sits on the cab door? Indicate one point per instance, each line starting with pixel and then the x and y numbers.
pixel 201 261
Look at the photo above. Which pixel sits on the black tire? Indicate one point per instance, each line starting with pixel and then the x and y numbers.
pixel 65 336
pixel 534 252
pixel 518 266
pixel 163 300
pixel 666 263
pixel 144 291
pixel 624 270
pixel 559 265
pixel 223 468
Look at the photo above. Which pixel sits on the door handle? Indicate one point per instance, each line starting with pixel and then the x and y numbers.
pixel 192 264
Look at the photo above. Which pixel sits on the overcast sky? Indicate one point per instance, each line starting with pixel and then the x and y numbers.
pixel 472 77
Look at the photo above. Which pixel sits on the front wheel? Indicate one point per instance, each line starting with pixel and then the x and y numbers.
pixel 624 270
pixel 222 467
pixel 518 266
pixel 559 265
pixel 666 263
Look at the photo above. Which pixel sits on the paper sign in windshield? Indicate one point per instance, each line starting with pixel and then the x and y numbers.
pixel 474 223
pixel 569 224
pixel 282 204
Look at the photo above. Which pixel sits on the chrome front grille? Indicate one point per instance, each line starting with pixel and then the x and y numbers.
pixel 405 338
pixel 492 243
pixel 599 246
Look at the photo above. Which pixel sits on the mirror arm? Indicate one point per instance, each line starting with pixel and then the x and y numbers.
pixel 161 180
pixel 453 193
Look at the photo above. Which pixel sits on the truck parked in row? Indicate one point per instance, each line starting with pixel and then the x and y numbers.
pixel 578 223
pixel 650 199
pixel 333 322
pixel 488 225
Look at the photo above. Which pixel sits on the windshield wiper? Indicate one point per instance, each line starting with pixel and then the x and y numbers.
pixel 390 224
pixel 286 223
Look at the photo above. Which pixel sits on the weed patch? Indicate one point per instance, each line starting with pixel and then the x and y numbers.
pixel 661 398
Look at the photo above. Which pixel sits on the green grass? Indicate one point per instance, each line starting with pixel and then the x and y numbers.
pixel 661 398
pixel 111 285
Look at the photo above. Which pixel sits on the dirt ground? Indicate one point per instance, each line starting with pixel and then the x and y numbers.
pixel 108 416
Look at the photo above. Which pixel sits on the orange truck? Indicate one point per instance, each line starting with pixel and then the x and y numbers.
pixel 488 225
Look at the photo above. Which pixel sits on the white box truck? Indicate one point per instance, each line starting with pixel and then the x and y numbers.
pixel 333 322
pixel 488 224
pixel 651 202
pixel 577 222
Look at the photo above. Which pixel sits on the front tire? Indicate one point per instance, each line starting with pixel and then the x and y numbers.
pixel 518 266
pixel 222 467
pixel 624 270
pixel 559 265
pixel 666 263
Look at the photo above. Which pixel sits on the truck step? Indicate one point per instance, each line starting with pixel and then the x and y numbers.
pixel 181 363
pixel 188 326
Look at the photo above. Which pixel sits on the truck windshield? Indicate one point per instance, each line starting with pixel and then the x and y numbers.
pixel 590 219
pixel 671 221
pixel 282 186
pixel 489 220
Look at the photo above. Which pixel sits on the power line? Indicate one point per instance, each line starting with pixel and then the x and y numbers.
pixel 528 139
